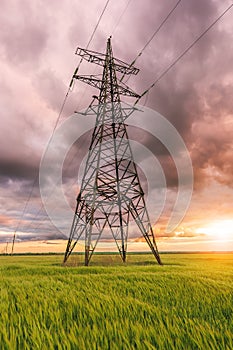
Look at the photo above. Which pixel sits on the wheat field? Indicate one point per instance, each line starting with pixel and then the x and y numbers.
pixel 185 304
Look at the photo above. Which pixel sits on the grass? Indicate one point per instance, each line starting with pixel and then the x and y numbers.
pixel 185 304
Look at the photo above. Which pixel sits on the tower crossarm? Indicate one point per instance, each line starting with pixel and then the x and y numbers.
pixel 99 58
pixel 97 83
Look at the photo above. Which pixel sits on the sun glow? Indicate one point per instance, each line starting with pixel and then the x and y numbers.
pixel 221 229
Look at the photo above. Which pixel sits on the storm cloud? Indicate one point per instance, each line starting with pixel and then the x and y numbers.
pixel 37 61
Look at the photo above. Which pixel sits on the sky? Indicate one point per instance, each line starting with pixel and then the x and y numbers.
pixel 38 40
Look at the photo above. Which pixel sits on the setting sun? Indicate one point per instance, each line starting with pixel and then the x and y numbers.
pixel 221 229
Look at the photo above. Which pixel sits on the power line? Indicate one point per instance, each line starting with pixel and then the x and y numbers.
pixel 97 24
pixel 156 31
pixel 90 40
pixel 118 21
pixel 92 35
pixel 66 96
pixel 37 175
pixel 144 47
pixel 144 93
pixel 153 35
pixel 30 224
pixel 23 212
pixel 121 15
pixel 183 53
pixel 55 126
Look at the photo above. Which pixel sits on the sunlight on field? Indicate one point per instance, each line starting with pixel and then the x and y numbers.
pixel 185 304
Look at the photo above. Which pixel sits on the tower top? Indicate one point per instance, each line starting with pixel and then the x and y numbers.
pixel 108 62
pixel 99 58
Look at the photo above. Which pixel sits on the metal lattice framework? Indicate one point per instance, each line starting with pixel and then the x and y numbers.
pixel 110 193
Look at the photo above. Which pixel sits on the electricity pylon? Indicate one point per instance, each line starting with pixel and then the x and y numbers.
pixel 110 193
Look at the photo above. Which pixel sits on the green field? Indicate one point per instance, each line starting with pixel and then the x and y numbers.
pixel 185 304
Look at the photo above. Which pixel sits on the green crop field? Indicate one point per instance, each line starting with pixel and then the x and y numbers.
pixel 185 304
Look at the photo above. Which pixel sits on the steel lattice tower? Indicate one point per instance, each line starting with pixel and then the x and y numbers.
pixel 110 193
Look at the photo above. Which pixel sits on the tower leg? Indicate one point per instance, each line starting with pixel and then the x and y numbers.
pixel 123 254
pixel 87 249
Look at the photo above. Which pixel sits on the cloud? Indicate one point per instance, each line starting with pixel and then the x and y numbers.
pixel 212 147
pixel 37 44
pixel 23 33
pixel 4 220
pixel 179 233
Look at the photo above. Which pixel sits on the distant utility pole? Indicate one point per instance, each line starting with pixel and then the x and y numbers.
pixel 13 244
pixel 111 193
